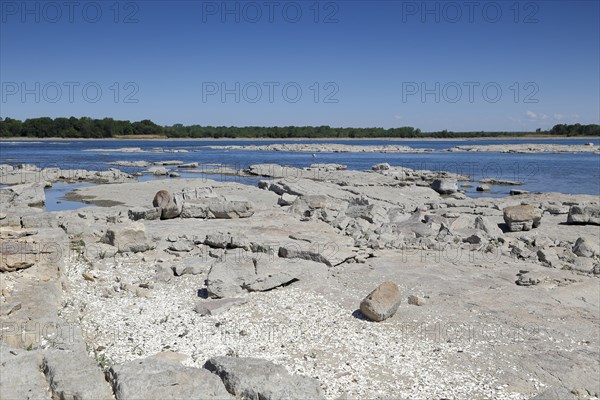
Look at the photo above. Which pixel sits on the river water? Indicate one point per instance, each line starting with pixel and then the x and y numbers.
pixel 565 173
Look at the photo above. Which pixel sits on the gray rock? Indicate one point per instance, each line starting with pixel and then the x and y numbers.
pixel 253 378
pixel 371 213
pixel 381 167
pixel 129 237
pixel 262 184
pixel 163 273
pixel 138 213
pixel 21 376
pixel 529 279
pixel 188 165
pixel 193 209
pixel 168 204
pixel 522 217
pixel 216 208
pixel 518 192
pixel 286 199
pixel 219 240
pixel 444 186
pixel 316 201
pixel 416 300
pixel 307 253
pixel 74 376
pixel 474 237
pixel 381 303
pixel 231 278
pixel 584 247
pixel 218 306
pixel 549 257
pixel 230 209
pixel 584 214
pixel 158 378
pixel 555 393
pixel 39 220
pixel 182 245
pixel 491 229
pixel 158 171
pixel 168 162
pixel 27 194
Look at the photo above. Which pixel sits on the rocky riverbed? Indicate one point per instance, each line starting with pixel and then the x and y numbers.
pixel 348 148
pixel 181 288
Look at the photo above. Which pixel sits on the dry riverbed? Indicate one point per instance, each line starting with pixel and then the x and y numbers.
pixel 217 289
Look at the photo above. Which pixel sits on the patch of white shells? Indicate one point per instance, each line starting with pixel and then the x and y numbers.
pixel 301 330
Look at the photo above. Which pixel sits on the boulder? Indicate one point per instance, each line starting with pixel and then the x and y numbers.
pixel 522 217
pixel 74 375
pixel 585 248
pixel 27 194
pixel 168 205
pixel 138 213
pixel 193 209
pixel 253 378
pixel 159 378
pixel 230 209
pixel 381 303
pixel 162 198
pixel 130 237
pixel 589 214
pixel 491 229
pixel 482 188
pixel 230 278
pixel 444 186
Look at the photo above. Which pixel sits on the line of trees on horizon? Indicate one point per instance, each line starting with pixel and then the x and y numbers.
pixel 86 127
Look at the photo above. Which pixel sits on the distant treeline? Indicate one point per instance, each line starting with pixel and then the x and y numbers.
pixel 107 128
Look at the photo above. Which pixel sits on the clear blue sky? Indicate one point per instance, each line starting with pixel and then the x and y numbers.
pixel 370 62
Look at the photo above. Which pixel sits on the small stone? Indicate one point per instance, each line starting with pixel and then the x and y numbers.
pixel 88 277
pixel 381 167
pixel 381 303
pixel 518 192
pixel 286 199
pixel 163 273
pixel 214 307
pixel 416 300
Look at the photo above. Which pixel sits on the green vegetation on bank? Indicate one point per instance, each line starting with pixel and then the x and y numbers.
pixel 107 128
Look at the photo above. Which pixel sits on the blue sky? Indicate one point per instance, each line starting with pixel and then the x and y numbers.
pixel 461 66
